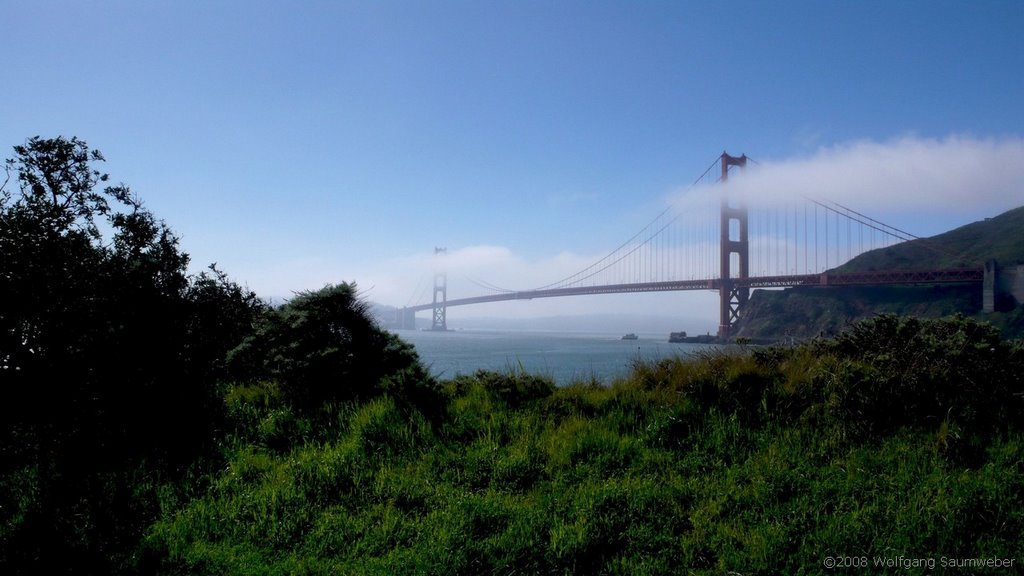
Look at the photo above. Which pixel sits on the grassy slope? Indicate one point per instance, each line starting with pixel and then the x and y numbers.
pixel 759 463
pixel 972 245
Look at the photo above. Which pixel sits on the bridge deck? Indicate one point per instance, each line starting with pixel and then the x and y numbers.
pixel 942 276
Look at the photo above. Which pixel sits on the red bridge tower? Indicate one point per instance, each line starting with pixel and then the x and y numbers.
pixel 734 240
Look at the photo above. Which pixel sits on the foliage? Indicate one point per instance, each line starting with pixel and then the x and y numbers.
pixel 926 372
pixel 108 352
pixel 323 347
pixel 515 389
pixel 752 461
pixel 222 314
pixel 58 184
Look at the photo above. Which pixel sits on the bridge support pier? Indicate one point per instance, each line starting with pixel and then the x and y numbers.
pixel 988 287
pixel 732 297
pixel 405 319
pixel 1002 287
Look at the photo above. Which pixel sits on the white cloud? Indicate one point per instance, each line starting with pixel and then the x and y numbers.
pixel 909 174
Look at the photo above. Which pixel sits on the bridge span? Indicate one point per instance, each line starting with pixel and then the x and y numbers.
pixel 876 278
pixel 731 251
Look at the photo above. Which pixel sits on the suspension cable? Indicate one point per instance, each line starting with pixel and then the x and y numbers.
pixel 582 274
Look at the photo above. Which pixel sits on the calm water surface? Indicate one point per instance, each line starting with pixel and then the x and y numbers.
pixel 565 357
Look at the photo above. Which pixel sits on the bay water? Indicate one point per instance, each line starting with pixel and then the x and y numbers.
pixel 566 357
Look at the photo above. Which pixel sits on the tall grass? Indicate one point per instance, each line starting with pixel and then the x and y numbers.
pixel 757 461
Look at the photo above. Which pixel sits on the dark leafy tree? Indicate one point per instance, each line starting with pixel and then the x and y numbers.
pixel 222 315
pixel 58 184
pixel 108 356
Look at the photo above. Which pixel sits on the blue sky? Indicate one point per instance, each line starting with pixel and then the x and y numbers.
pixel 301 143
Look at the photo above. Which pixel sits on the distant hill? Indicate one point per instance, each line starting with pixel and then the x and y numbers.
pixel 809 312
pixel 1000 238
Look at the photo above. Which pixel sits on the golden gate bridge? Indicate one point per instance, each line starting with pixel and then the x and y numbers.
pixel 750 243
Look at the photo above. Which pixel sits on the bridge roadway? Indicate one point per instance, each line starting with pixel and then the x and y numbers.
pixel 939 276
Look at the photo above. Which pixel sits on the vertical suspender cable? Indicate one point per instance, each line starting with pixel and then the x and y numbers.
pixel 796 239
pixel 777 259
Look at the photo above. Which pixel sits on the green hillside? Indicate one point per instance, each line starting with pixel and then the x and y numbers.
pixel 1000 238
pixel 810 312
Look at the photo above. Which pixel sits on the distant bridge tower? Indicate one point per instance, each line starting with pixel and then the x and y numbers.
pixel 440 289
pixel 732 297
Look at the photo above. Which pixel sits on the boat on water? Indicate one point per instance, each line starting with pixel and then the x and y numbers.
pixel 630 336
pixel 681 337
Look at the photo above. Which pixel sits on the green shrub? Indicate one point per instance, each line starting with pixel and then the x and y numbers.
pixel 323 347
pixel 891 372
